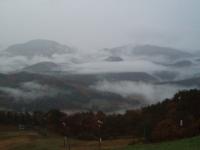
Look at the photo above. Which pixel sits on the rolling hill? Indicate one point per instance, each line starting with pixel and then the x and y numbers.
pixel 42 92
pixel 38 47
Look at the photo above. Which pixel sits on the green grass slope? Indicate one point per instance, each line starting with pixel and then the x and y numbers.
pixel 185 144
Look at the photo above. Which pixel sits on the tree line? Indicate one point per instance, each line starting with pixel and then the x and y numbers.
pixel 170 119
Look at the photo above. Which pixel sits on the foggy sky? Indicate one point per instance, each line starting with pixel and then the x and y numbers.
pixel 96 24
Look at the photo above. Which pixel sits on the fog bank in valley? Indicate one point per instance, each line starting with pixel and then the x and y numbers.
pixel 147 92
pixel 29 91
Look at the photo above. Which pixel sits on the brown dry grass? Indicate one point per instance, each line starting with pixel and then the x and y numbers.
pixel 106 145
pixel 10 139
pixel 7 128
pixel 6 144
pixel 33 141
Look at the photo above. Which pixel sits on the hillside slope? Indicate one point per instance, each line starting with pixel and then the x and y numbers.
pixel 185 144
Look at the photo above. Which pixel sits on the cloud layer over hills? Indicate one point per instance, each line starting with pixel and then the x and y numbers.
pixel 111 79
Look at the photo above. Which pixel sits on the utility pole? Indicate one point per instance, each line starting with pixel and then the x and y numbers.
pixel 66 139
pixel 100 123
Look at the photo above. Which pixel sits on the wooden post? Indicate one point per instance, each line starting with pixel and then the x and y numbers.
pixel 68 144
pixel 65 142
pixel 66 139
pixel 181 123
pixel 100 123
pixel 100 140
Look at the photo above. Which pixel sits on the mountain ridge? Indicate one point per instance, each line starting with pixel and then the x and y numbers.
pixel 38 47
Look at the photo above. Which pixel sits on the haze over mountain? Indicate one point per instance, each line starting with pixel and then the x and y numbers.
pixel 40 92
pixel 114 58
pixel 144 58
pixel 98 24
pixel 111 80
pixel 149 51
pixel 38 47
pixel 42 67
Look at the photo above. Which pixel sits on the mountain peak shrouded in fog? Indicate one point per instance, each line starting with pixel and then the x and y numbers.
pixel 111 80
pixel 38 47
pixel 98 24
pixel 149 50
pixel 114 58
pixel 42 67
pixel 128 58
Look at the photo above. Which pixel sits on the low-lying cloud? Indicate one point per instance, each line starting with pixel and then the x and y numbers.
pixel 150 93
pixel 30 91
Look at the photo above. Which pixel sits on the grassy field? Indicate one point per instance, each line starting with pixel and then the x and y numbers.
pixel 33 141
pixel 185 144
pixel 28 140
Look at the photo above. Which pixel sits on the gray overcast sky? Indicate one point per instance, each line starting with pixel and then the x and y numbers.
pixel 95 24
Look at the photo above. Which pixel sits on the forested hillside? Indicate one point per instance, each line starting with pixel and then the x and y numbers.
pixel 171 119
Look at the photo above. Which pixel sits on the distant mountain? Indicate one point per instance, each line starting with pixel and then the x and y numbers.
pixel 88 79
pixel 128 76
pixel 183 63
pixel 188 82
pixel 149 50
pixel 114 58
pixel 41 92
pixel 38 47
pixel 42 67
pixel 166 75
pixel 30 91
pixel 178 64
